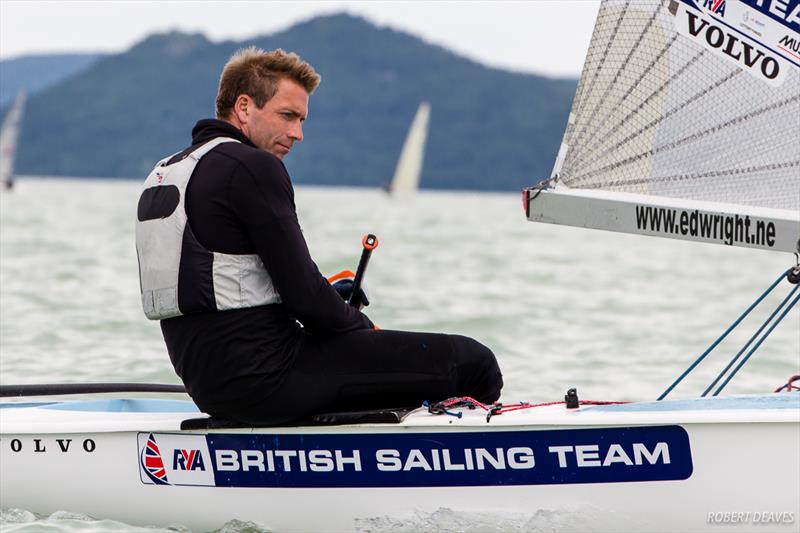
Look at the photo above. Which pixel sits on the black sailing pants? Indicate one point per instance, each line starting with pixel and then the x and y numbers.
pixel 373 369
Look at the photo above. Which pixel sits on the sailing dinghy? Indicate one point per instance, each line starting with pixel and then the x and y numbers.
pixel 409 166
pixel 641 141
pixel 651 466
pixel 8 141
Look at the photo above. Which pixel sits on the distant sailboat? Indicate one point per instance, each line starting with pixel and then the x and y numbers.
pixel 409 166
pixel 8 141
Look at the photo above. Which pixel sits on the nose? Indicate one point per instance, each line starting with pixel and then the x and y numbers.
pixel 296 131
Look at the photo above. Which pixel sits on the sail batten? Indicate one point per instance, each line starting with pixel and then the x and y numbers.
pixel 668 113
pixel 683 100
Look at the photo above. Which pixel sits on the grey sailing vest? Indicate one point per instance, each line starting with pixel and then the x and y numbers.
pixel 177 274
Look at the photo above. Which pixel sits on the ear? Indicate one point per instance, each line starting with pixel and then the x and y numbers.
pixel 243 107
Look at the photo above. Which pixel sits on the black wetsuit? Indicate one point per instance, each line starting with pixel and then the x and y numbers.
pixel 258 365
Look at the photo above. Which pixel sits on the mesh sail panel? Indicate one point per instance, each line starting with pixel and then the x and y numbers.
pixel 658 113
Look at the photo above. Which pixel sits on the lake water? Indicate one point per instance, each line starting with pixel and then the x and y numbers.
pixel 617 316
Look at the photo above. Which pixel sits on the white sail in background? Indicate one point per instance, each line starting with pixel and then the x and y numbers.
pixel 8 141
pixel 409 166
pixel 684 125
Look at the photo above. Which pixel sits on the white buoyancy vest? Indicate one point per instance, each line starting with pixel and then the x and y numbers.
pixel 177 274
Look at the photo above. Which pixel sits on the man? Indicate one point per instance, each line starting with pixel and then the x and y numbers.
pixel 224 265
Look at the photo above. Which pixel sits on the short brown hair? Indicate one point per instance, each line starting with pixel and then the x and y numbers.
pixel 255 72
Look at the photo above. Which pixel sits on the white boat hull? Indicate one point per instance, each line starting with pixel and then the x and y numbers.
pixel 717 457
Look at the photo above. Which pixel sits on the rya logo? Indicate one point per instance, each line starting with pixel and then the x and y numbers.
pixel 715 6
pixel 188 460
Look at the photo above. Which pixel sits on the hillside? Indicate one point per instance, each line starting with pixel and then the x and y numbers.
pixel 489 129
pixel 35 72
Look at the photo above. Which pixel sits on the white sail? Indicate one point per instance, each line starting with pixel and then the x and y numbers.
pixel 8 141
pixel 684 125
pixel 409 166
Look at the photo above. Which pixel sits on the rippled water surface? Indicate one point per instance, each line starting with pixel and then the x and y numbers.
pixel 617 316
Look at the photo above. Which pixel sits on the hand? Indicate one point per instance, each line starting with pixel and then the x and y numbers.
pixel 345 289
pixel 343 283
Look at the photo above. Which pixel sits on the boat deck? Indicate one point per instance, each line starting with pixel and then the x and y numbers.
pixel 109 415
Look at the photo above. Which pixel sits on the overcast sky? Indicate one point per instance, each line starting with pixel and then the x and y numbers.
pixel 543 36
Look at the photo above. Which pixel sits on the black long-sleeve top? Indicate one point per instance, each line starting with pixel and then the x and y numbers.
pixel 240 200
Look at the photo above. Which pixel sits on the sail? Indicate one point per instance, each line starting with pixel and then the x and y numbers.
pixel 685 125
pixel 409 166
pixel 8 141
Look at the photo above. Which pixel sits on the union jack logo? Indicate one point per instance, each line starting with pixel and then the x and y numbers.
pixel 152 464
pixel 159 177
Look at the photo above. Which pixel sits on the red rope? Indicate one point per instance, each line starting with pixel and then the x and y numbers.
pixel 499 408
pixel 790 386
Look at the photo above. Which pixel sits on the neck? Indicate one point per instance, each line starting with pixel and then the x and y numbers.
pixel 232 120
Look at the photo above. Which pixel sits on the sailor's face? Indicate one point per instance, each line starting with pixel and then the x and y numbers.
pixel 279 124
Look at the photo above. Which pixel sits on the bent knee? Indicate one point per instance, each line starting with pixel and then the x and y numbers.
pixel 479 374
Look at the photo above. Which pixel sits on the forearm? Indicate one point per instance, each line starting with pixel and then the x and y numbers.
pixel 304 291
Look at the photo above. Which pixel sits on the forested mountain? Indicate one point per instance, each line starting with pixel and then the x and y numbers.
pixel 35 72
pixel 489 128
